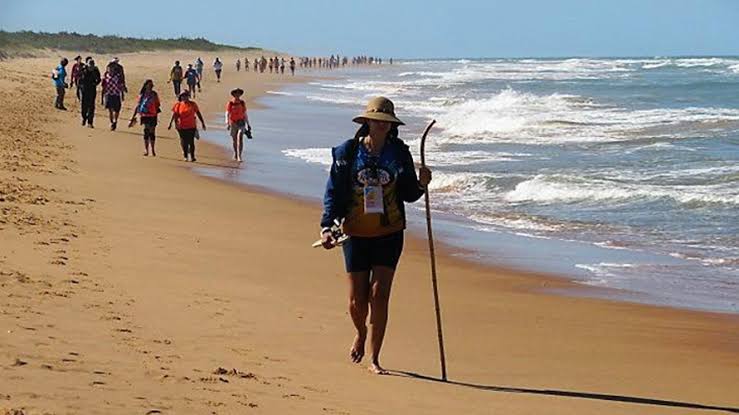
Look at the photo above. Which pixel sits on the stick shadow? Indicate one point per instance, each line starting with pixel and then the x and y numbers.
pixel 569 394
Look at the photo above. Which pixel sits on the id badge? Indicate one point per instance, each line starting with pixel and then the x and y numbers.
pixel 373 202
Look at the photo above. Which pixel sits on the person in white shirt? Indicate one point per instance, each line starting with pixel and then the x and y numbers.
pixel 218 68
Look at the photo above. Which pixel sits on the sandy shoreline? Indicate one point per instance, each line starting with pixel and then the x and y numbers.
pixel 129 281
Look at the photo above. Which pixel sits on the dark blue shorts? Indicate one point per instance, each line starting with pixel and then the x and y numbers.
pixel 361 254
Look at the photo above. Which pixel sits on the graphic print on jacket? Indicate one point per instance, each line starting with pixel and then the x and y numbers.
pixel 382 171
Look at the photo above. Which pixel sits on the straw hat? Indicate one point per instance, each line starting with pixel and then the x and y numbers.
pixel 380 109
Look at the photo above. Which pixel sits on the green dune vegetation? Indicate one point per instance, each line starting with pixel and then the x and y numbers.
pixel 24 42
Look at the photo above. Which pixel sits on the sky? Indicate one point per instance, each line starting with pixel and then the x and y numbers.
pixel 408 28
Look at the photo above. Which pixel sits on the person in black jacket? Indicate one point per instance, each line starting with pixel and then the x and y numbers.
pixel 372 177
pixel 88 82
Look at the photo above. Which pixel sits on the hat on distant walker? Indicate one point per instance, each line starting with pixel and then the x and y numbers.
pixel 379 109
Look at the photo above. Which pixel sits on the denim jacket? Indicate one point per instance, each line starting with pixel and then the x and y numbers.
pixel 337 198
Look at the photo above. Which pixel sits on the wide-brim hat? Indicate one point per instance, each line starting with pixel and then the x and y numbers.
pixel 379 109
pixel 237 91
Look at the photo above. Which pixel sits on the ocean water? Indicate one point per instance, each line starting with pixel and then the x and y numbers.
pixel 622 173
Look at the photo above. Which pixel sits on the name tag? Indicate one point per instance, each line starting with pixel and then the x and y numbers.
pixel 373 202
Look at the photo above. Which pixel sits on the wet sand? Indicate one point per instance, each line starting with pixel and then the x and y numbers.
pixel 133 285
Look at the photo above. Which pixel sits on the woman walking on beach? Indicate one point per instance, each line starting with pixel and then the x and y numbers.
pixel 193 80
pixel 113 90
pixel 371 178
pixel 176 75
pixel 183 114
pixel 148 108
pixel 218 68
pixel 199 64
pixel 237 121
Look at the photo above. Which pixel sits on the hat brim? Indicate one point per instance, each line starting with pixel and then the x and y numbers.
pixel 377 116
pixel 237 91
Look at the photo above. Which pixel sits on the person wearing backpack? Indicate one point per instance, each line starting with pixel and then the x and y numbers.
pixel 193 80
pixel 89 81
pixel 148 108
pixel 372 177
pixel 59 76
pixel 238 122
pixel 175 76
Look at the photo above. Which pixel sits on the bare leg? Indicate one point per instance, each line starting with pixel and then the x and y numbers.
pixel 359 291
pixel 382 281
pixel 236 146
pixel 240 138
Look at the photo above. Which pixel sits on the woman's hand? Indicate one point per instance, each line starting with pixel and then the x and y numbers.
pixel 204 129
pixel 327 240
pixel 424 176
pixel 169 127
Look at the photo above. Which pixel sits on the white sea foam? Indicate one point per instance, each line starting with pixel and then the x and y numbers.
pixel 283 93
pixel 546 189
pixel 320 156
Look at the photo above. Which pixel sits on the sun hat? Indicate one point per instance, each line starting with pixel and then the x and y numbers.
pixel 379 109
pixel 184 94
pixel 237 91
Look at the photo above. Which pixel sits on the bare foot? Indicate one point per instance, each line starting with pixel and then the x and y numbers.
pixel 357 350
pixel 377 369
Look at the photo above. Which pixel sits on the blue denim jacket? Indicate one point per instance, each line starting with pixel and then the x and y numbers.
pixel 337 198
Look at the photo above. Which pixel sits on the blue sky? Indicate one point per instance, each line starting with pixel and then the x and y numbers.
pixel 408 28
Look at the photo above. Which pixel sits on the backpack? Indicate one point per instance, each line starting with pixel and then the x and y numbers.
pixel 177 73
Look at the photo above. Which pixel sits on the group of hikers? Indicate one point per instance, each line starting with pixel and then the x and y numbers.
pixel 85 76
pixel 371 178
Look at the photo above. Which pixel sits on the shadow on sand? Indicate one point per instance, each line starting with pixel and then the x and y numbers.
pixel 570 394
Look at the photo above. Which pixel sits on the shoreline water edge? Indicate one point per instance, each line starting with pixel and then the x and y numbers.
pixel 542 166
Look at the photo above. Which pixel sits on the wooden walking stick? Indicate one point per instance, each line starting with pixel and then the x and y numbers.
pixel 433 257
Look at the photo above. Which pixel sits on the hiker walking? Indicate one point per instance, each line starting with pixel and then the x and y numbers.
pixel 218 67
pixel 59 76
pixel 193 80
pixel 176 75
pixel 75 75
pixel 199 64
pixel 237 122
pixel 113 90
pixel 89 81
pixel 183 115
pixel 371 178
pixel 147 108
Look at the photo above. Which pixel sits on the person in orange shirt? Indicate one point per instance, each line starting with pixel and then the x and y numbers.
pixel 238 122
pixel 148 108
pixel 183 114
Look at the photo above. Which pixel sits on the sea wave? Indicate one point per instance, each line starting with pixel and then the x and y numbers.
pixel 547 189
pixel 320 156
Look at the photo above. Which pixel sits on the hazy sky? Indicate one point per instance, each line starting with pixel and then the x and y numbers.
pixel 408 28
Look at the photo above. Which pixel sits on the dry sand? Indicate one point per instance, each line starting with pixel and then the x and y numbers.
pixel 131 285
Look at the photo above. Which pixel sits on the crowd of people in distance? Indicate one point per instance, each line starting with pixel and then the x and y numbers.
pixel 85 77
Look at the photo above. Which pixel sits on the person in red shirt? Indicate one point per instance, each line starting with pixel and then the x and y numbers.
pixel 148 108
pixel 238 122
pixel 76 72
pixel 183 114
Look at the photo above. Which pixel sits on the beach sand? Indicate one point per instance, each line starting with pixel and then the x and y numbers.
pixel 132 285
